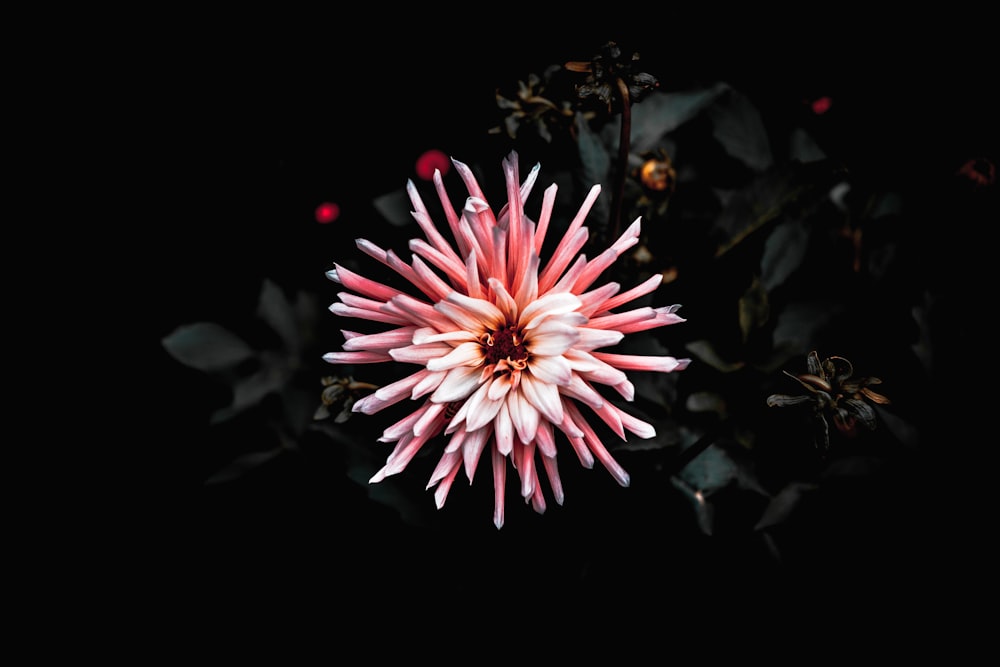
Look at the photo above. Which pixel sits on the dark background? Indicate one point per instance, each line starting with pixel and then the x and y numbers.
pixel 261 124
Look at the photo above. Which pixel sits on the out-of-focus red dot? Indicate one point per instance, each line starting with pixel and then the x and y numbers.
pixel 821 105
pixel 327 212
pixel 431 160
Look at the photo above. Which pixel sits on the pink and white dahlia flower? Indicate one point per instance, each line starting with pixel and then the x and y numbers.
pixel 508 350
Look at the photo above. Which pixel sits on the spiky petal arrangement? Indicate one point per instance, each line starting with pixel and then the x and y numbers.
pixel 508 350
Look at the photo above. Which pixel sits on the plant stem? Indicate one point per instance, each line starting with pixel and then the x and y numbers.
pixel 618 194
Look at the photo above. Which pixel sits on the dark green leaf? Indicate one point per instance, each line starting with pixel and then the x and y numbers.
pixel 207 346
pixel 250 391
pixel 754 309
pixel 803 148
pixel 800 321
pixel 704 510
pixel 594 156
pixel 661 113
pixel 784 504
pixel 784 251
pixel 705 351
pixel 904 431
pixel 739 128
pixel 706 401
pixel 274 308
pixel 242 465
pixel 711 470
pixel 395 207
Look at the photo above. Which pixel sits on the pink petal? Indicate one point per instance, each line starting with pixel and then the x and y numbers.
pixel 582 391
pixel 362 285
pixel 591 301
pixel 400 389
pixel 356 357
pixel 429 383
pixel 634 362
pixel 382 341
pixel 548 202
pixel 647 286
pixel 441 492
pixel 545 438
pixel 635 425
pixel 456 440
pixel 450 263
pixel 526 470
pixel 472 449
pixel 343 310
pixel 429 282
pixel 429 335
pixel 564 254
pixel 421 354
pixel 430 422
pixel 504 301
pixel 499 486
pixel 618 320
pixel 552 472
pixel 591 339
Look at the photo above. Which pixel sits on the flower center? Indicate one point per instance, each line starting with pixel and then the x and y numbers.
pixel 505 343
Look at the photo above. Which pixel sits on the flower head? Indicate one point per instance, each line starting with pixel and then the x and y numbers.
pixel 834 392
pixel 508 349
pixel 611 76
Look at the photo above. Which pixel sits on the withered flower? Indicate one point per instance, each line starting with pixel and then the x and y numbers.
pixel 532 107
pixel 339 396
pixel 611 76
pixel 834 393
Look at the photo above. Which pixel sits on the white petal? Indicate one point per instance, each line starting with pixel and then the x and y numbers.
pixel 481 410
pixel 420 354
pixel 524 415
pixel 429 335
pixel 552 369
pixel 548 305
pixel 466 354
pixel 591 339
pixel 544 397
pixel 472 449
pixel 499 387
pixel 553 341
pixel 482 312
pixel 457 384
pixel 503 427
